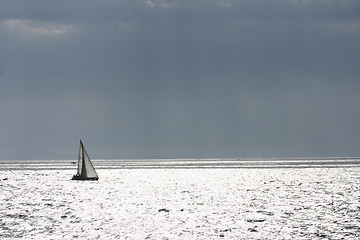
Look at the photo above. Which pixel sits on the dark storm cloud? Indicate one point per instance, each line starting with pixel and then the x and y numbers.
pixel 179 78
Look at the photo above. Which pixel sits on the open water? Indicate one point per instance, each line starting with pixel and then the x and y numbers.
pixel 306 198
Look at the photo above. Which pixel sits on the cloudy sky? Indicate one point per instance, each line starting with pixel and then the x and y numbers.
pixel 179 78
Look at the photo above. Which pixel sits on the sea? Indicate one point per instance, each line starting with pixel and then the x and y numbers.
pixel 254 198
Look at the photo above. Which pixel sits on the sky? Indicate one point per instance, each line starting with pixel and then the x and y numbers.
pixel 179 79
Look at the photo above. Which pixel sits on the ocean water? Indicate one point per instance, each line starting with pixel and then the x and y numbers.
pixel 182 199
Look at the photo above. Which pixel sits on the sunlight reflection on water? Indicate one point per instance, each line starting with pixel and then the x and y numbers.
pixel 276 203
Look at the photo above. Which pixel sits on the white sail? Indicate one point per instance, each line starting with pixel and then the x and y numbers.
pixel 85 168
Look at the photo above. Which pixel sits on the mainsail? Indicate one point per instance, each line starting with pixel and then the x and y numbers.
pixel 86 170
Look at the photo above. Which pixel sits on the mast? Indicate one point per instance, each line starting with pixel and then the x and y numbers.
pixel 83 167
pixel 79 160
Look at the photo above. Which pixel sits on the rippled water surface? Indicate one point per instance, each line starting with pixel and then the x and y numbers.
pixel 178 203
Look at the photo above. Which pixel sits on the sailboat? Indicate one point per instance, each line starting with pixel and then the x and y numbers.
pixel 86 170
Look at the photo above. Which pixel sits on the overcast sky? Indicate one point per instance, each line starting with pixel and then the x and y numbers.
pixel 179 78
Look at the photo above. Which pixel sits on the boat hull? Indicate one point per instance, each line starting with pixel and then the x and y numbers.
pixel 75 177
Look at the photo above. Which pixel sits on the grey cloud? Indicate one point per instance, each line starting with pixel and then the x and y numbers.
pixel 187 79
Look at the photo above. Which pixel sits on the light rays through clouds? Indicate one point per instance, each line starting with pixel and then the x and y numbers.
pixel 191 78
